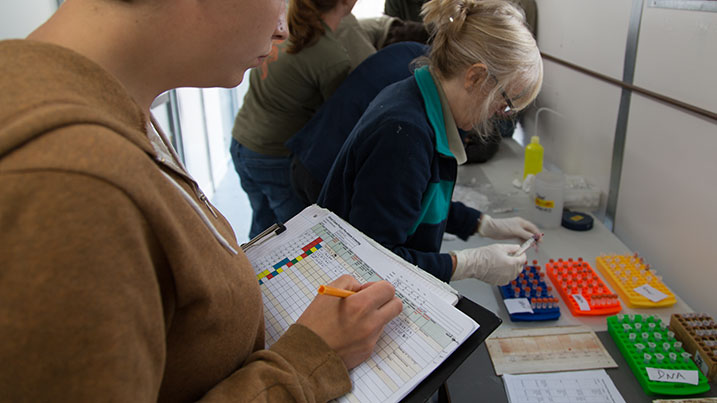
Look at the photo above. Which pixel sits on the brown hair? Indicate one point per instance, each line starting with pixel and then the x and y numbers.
pixel 492 32
pixel 304 19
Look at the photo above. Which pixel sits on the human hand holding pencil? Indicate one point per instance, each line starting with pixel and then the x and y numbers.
pixel 351 325
pixel 335 292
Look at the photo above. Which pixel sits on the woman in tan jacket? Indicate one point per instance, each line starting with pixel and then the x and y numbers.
pixel 119 281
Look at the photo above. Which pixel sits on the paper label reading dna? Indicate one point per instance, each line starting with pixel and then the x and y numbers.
pixel 672 375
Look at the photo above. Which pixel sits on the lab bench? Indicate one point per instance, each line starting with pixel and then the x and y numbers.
pixel 476 377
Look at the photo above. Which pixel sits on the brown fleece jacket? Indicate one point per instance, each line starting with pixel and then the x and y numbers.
pixel 112 286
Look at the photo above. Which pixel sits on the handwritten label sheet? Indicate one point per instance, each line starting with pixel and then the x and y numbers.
pixel 562 387
pixel 547 350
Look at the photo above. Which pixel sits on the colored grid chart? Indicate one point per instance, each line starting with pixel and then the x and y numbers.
pixel 289 278
pixel 286 263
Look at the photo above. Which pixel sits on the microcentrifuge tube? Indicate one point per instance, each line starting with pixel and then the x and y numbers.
pixel 670 334
pixel 657 336
pixel 673 357
pixel 651 346
pixel 652 326
pixel 632 337
pixel 638 326
pixel 620 317
pixel 645 336
pixel 678 345
pixel 666 346
pixel 646 358
pixel 685 356
pixel 626 328
pixel 632 317
pixel 659 357
pixel 639 347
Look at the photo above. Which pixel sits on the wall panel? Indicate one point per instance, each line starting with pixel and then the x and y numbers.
pixel 667 205
pixel 677 55
pixel 589 33
pixel 667 197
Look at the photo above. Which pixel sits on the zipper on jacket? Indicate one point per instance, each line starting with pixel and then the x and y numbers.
pixel 203 198
pixel 201 214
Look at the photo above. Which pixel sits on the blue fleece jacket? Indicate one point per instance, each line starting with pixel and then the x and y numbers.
pixel 319 141
pixel 391 181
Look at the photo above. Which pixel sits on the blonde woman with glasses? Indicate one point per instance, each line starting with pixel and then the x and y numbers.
pixel 394 177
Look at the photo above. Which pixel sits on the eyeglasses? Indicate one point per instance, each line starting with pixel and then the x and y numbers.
pixel 508 103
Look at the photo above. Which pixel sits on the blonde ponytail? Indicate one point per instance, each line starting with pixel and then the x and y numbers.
pixel 492 32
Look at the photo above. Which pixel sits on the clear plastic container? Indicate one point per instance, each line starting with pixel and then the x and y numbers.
pixel 547 199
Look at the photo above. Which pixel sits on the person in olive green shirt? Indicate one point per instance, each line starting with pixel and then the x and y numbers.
pixel 285 91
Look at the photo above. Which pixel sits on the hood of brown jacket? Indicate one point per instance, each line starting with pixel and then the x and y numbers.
pixel 44 87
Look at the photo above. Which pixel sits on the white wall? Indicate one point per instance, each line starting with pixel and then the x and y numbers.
pixel 666 202
pixel 20 17
pixel 666 208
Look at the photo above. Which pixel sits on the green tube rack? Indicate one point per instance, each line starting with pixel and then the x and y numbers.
pixel 645 341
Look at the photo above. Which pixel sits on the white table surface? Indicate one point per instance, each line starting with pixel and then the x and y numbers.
pixel 494 180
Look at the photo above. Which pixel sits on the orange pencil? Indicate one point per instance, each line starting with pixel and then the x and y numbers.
pixel 333 291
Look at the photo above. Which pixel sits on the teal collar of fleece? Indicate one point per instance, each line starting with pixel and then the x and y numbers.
pixel 434 110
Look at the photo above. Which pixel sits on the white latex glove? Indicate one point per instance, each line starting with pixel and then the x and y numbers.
pixel 492 264
pixel 506 228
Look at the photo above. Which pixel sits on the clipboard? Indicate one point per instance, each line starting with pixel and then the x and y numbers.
pixel 317 230
pixel 275 229
pixel 489 322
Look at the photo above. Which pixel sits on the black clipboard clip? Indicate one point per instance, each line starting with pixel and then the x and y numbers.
pixel 275 229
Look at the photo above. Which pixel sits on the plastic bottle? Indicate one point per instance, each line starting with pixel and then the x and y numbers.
pixel 547 197
pixel 533 157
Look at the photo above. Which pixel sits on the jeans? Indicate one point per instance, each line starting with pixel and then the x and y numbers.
pixel 266 181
